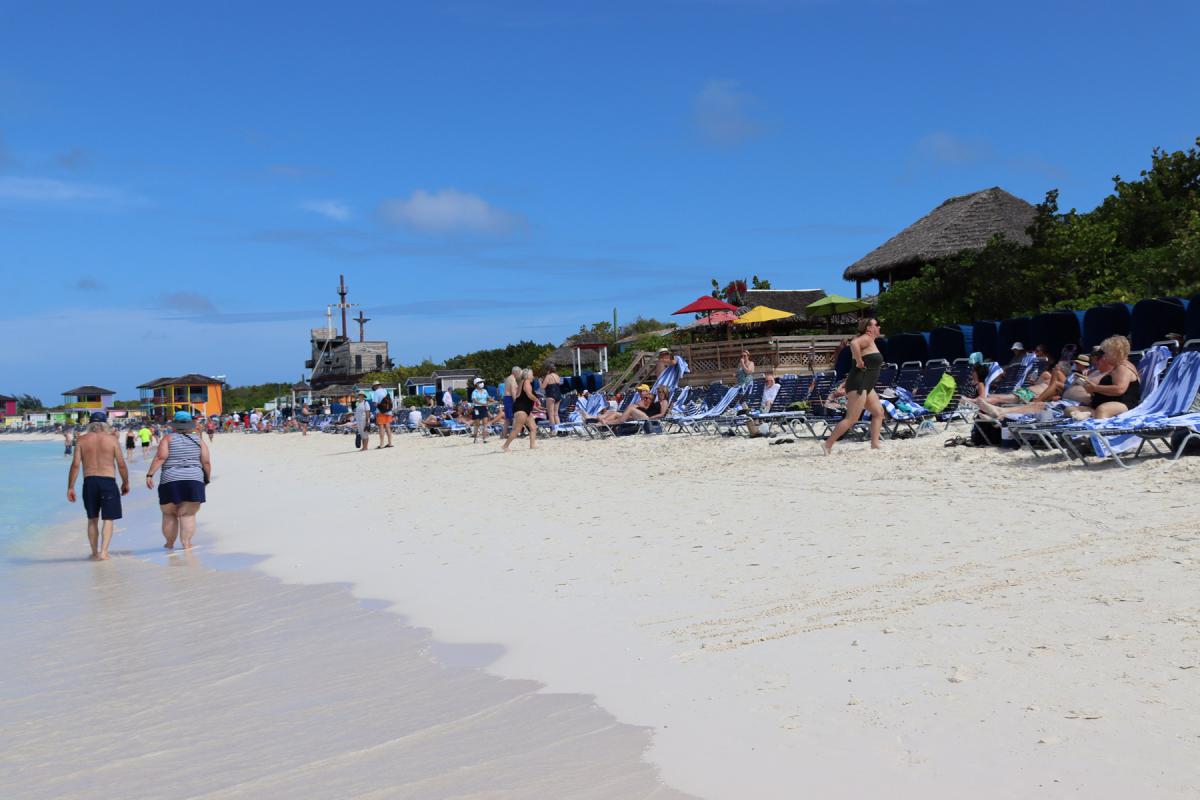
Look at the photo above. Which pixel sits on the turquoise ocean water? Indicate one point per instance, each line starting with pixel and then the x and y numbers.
pixel 33 486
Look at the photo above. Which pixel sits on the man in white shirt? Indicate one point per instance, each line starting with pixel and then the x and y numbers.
pixel 362 422
pixel 414 419
pixel 448 398
pixel 383 413
pixel 770 390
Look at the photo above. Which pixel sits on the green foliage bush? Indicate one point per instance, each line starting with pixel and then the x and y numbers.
pixel 1142 241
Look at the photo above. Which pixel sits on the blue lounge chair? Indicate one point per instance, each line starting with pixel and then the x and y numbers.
pixel 1174 404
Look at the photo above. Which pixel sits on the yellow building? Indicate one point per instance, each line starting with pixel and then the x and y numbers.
pixel 81 401
pixel 196 394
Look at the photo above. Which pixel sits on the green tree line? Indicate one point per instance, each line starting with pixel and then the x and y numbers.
pixel 1142 241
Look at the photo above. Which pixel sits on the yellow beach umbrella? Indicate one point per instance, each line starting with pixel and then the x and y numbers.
pixel 762 314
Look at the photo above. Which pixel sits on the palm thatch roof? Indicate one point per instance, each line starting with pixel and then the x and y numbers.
pixel 791 300
pixel 960 224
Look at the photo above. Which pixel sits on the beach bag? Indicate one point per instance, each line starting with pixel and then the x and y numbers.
pixel 940 395
pixel 357 440
pixel 385 405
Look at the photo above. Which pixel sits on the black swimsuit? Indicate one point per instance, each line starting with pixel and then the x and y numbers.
pixel 1130 397
pixel 522 402
pixel 654 409
pixel 864 380
pixel 553 391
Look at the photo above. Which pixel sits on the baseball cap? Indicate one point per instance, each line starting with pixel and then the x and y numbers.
pixel 98 416
pixel 1017 346
pixel 643 387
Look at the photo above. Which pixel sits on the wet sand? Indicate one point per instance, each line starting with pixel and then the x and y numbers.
pixel 157 676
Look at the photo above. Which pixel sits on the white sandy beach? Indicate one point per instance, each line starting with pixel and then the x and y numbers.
pixel 916 623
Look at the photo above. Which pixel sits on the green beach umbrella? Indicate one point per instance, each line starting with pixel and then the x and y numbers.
pixel 835 304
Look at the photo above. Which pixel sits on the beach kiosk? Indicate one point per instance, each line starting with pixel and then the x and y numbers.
pixel 194 393
pixel 80 402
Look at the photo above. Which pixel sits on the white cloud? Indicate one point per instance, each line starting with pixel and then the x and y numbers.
pixel 50 190
pixel 723 113
pixel 941 147
pixel 331 209
pixel 448 211
pixel 191 302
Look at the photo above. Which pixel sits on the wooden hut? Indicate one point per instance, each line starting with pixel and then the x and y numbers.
pixel 959 225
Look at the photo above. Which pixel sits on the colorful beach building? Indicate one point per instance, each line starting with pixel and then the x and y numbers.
pixel 194 393
pixel 8 406
pixel 81 401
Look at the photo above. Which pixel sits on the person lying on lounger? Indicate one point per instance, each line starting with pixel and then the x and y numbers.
pixel 1120 388
pixel 1048 386
pixel 637 410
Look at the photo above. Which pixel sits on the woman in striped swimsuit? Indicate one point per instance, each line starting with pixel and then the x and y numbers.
pixel 183 456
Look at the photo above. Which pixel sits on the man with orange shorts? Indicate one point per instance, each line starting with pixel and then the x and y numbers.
pixel 383 413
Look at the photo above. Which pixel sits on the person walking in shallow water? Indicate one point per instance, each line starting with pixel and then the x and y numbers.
pixel 98 452
pixel 183 456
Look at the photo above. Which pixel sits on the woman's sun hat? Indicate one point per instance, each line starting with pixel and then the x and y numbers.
pixel 183 422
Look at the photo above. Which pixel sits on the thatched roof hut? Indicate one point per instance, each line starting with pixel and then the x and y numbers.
pixel 791 300
pixel 961 224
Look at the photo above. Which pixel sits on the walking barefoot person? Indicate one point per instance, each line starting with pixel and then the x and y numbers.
pixel 860 385
pixel 479 411
pixel 552 388
pixel 523 411
pixel 97 451
pixel 183 455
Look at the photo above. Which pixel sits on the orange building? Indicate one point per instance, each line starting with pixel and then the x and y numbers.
pixel 196 394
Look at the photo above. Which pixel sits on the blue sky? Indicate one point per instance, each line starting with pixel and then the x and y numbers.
pixel 181 184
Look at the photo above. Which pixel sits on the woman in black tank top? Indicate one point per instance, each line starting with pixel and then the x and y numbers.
pixel 1120 389
pixel 860 385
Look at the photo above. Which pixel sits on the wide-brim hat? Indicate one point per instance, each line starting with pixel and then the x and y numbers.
pixel 888 393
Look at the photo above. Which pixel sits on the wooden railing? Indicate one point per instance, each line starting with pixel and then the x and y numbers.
pixel 713 361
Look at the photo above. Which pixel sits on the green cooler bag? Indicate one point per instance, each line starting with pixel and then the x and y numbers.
pixel 939 397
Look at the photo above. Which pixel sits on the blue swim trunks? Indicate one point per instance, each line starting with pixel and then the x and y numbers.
pixel 508 408
pixel 101 497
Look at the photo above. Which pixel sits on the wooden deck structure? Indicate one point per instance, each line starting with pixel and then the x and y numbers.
pixel 712 362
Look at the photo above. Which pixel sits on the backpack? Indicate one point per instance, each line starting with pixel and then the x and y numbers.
pixel 385 404
pixel 940 395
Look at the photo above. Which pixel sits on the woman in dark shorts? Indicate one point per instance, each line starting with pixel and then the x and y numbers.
pixel 860 385
pixel 183 455
pixel 130 444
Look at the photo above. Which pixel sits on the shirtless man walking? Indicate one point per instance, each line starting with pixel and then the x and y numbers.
pixel 512 387
pixel 98 451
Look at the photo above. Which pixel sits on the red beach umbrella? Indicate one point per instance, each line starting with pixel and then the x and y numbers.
pixel 716 318
pixel 704 304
